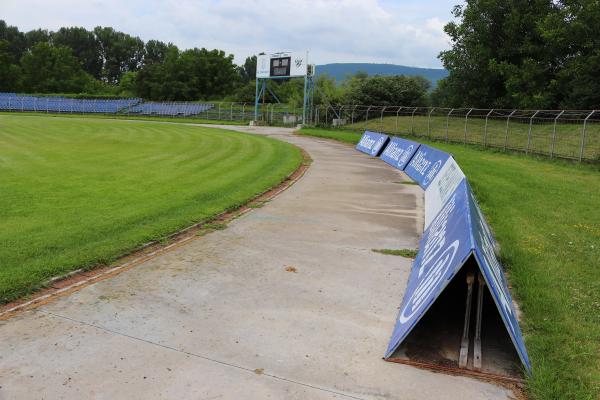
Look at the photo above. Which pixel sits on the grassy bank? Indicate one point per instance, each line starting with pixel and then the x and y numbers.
pixel 77 192
pixel 546 217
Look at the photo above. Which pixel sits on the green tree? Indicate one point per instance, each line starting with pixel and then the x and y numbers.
pixel 119 53
pixel 498 56
pixel 248 70
pixel 572 33
pixel 37 36
pixel 9 72
pixel 156 51
pixel 84 45
pixel 17 44
pixel 386 90
pixel 48 69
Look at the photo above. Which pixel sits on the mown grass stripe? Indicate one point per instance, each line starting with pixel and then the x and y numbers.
pixel 78 192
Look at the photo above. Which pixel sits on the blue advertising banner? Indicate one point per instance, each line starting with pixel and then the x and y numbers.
pixel 456 233
pixel 485 252
pixel 426 164
pixel 444 248
pixel 399 152
pixel 372 143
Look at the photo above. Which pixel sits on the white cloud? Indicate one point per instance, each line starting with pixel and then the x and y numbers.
pixel 402 32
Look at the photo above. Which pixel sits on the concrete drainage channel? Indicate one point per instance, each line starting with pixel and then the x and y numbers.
pixel 288 302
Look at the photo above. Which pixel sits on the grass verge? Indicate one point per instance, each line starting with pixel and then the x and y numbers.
pixel 179 120
pixel 546 218
pixel 407 253
pixel 77 193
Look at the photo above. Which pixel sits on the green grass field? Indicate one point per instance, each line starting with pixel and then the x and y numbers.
pixel 79 192
pixel 188 120
pixel 567 143
pixel 546 216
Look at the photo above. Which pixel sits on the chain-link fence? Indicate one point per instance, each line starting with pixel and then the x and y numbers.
pixel 572 134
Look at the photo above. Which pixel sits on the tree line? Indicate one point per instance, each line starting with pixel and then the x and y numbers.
pixel 523 54
pixel 104 61
pixel 504 54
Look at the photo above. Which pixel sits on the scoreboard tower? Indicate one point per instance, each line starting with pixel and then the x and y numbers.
pixel 284 65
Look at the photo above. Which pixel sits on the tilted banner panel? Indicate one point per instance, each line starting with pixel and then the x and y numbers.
pixel 444 248
pixel 458 232
pixel 372 143
pixel 425 165
pixel 399 151
pixel 441 188
pixel 485 251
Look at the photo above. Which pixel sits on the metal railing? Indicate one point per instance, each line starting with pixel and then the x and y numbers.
pixel 269 114
pixel 570 134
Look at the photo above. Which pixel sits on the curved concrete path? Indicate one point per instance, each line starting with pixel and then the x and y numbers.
pixel 221 318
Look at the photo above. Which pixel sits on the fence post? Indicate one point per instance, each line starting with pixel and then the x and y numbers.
pixel 272 113
pixel 429 122
pixel 367 118
pixel 552 146
pixel 397 112
pixel 485 129
pixel 466 121
pixel 506 132
pixel 341 115
pixel 529 132
pixel 412 121
pixel 352 116
pixel 447 123
pixel 381 119
pixel 231 112
pixel 583 135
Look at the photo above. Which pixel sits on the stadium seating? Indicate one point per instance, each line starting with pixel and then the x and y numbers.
pixel 169 109
pixel 15 102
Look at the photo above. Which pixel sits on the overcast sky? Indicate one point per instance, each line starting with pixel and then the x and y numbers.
pixel 408 32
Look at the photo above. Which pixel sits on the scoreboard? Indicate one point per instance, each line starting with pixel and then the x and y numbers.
pixel 281 65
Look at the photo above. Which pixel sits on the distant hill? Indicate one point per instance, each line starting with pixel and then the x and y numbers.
pixel 339 71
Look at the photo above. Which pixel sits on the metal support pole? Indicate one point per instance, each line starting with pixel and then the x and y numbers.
pixel 464 343
pixel 506 132
pixel 466 121
pixel 352 118
pixel 367 119
pixel 477 340
pixel 256 101
pixel 485 130
pixel 412 121
pixel 429 122
pixel 552 146
pixel 219 112
pixel 397 112
pixel 381 119
pixel 583 135
pixel 447 123
pixel 272 113
pixel 231 112
pixel 529 132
